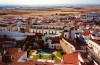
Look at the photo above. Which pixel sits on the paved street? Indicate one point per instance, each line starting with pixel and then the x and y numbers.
pixel 65 47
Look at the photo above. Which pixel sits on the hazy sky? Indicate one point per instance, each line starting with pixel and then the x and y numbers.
pixel 48 2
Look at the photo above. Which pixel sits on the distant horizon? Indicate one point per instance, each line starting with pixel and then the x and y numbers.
pixel 48 2
pixel 19 5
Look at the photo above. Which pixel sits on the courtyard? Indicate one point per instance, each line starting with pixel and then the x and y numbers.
pixel 55 56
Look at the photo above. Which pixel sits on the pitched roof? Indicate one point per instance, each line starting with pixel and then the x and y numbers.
pixel 31 63
pixel 2 63
pixel 22 63
pixel 71 42
pixel 17 55
pixel 67 64
pixel 71 58
pixel 55 40
pixel 85 33
pixel 96 41
pixel 12 50
pixel 84 55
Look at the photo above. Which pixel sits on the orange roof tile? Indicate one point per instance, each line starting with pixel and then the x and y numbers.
pixel 12 50
pixel 17 56
pixel 52 24
pixel 85 33
pixel 22 63
pixel 31 63
pixel 71 58
pixel 84 55
pixel 55 40
pixel 67 64
pixel 96 41
pixel 74 44
pixel 2 63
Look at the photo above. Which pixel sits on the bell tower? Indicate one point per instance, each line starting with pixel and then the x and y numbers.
pixel 28 24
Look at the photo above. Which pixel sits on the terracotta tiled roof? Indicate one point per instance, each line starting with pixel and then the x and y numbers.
pixel 6 43
pixel 68 40
pixel 38 35
pixel 84 55
pixel 17 56
pixel 74 44
pixel 55 40
pixel 22 63
pixel 12 50
pixel 82 63
pixel 96 41
pixel 52 25
pixel 1 43
pixel 67 64
pixel 31 63
pixel 71 58
pixel 1 63
pixel 78 20
pixel 85 33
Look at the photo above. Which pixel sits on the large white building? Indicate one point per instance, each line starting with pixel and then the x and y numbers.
pixel 94 45
pixel 48 28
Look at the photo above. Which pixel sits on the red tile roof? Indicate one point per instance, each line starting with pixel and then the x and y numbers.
pixel 12 50
pixel 84 55
pixel 68 40
pixel 2 63
pixel 74 44
pixel 1 43
pixel 16 56
pixel 85 33
pixel 6 43
pixel 53 24
pixel 67 64
pixel 22 63
pixel 82 63
pixel 96 41
pixel 55 40
pixel 31 63
pixel 71 58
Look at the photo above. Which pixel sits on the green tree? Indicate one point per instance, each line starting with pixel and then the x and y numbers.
pixel 52 56
pixel 40 56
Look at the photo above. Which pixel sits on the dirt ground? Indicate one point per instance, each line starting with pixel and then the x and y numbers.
pixel 49 12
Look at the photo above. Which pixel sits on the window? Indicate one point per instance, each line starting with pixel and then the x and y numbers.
pixel 65 35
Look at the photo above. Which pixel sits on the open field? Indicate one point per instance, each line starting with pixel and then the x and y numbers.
pixel 45 12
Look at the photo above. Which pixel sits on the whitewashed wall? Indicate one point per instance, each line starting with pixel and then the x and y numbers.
pixel 94 46
pixel 71 46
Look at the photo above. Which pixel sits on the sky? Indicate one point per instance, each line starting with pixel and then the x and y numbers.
pixel 47 2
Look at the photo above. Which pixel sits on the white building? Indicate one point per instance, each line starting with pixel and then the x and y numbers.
pixel 94 45
pixel 52 41
pixel 91 16
pixel 47 28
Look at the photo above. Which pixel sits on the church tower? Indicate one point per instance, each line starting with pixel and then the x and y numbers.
pixel 28 24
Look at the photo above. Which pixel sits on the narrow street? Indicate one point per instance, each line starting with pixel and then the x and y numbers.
pixel 65 47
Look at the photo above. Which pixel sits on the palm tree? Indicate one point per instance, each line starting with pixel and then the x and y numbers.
pixel 40 56
pixel 52 56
